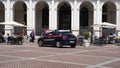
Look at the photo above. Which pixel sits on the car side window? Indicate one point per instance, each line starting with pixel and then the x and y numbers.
pixel 50 34
pixel 60 34
pixel 54 33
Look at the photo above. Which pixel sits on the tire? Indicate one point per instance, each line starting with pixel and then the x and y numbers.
pixel 40 43
pixel 73 46
pixel 58 44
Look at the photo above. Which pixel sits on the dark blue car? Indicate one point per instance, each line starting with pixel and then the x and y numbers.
pixel 58 38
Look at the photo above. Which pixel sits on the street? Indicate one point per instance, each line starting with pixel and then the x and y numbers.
pixel 30 55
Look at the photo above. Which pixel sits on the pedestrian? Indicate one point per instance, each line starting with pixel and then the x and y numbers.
pixel 7 38
pixel 32 36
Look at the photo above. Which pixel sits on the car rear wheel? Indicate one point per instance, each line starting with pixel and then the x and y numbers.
pixel 58 44
pixel 40 43
pixel 73 46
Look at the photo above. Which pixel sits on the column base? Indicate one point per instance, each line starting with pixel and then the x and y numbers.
pixel 118 33
pixel 29 31
pixel 75 32
pixel 8 30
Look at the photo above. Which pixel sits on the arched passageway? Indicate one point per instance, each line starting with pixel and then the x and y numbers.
pixel 20 15
pixel 109 15
pixel 86 17
pixel 64 16
pixel 2 17
pixel 41 17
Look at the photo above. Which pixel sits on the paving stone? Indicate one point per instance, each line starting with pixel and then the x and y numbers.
pixel 61 50
pixel 28 54
pixel 6 58
pixel 115 49
pixel 6 50
pixel 38 64
pixel 99 53
pixel 90 60
pixel 115 64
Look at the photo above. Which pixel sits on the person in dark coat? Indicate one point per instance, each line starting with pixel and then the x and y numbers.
pixel 32 35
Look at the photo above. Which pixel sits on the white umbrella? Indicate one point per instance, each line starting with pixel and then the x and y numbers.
pixel 105 25
pixel 12 23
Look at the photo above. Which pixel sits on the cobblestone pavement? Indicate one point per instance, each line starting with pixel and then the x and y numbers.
pixel 29 55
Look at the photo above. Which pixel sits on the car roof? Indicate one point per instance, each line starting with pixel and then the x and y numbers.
pixel 62 30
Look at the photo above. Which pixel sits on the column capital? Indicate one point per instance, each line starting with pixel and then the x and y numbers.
pixel 28 8
pixel 117 9
pixel 50 9
pixel 95 9
pixel 5 8
pixel 72 9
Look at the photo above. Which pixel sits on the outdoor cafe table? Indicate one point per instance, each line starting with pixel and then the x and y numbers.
pixel 15 40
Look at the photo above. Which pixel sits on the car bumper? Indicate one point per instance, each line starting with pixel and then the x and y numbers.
pixel 69 42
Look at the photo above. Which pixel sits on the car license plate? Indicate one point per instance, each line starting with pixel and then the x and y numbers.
pixel 72 41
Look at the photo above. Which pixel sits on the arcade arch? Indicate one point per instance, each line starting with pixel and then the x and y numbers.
pixel 86 17
pixel 109 15
pixel 64 15
pixel 41 17
pixel 109 12
pixel 20 15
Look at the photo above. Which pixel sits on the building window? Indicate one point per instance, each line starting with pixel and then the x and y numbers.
pixel 104 8
pixel 84 17
pixel 104 18
pixel 45 18
pixel 65 17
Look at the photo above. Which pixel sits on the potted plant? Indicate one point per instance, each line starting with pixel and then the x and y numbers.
pixel 86 38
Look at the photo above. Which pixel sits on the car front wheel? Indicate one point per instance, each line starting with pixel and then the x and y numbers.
pixel 58 44
pixel 40 43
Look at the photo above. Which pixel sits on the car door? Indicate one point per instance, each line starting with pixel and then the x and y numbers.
pixel 49 38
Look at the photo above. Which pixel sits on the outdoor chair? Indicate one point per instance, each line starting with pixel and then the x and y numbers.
pixel 80 41
pixel 100 41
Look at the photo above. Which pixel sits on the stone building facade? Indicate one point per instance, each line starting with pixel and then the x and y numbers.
pixel 75 15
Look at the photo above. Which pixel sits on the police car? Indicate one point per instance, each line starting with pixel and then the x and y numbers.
pixel 58 38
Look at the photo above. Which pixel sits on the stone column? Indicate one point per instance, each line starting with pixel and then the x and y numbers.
pixel 97 18
pixel 52 16
pixel 7 11
pixel 55 19
pixel 95 29
pixel 75 19
pixel 8 15
pixel 30 17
